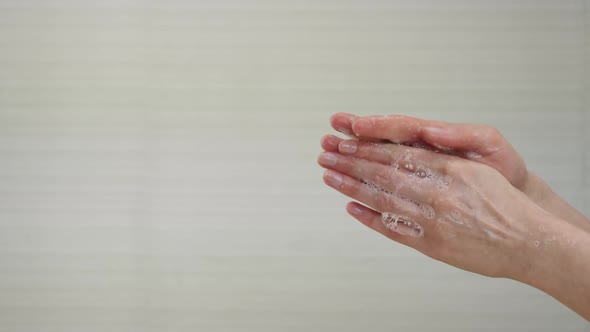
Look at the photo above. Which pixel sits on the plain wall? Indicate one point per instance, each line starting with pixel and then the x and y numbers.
pixel 158 158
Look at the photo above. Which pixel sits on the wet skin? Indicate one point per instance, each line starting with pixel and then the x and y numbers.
pixel 480 143
pixel 471 200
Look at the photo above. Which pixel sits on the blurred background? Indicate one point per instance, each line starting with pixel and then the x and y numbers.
pixel 158 158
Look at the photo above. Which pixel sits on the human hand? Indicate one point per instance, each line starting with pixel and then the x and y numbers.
pixel 480 143
pixel 454 210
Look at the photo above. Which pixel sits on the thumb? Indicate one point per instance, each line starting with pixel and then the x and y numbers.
pixel 480 139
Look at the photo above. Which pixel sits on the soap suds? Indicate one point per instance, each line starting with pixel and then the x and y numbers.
pixel 427 212
pixel 472 155
pixel 401 225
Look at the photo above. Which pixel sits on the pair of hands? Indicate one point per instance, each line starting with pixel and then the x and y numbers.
pixel 458 193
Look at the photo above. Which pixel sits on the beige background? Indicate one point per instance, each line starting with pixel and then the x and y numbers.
pixel 157 159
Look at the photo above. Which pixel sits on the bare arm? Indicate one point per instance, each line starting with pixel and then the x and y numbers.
pixel 490 204
pixel 538 191
pixel 561 268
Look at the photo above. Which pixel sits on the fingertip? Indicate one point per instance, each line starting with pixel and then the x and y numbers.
pixel 336 116
pixel 333 179
pixel 321 159
pixel 363 214
pixel 366 216
pixel 330 143
pixel 326 175
pixel 342 122
pixel 341 115
pixel 355 209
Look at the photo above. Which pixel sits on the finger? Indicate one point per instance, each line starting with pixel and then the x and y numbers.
pixel 475 138
pixel 378 200
pixel 374 220
pixel 342 122
pixel 408 158
pixel 420 187
pixel 330 143
pixel 482 144
pixel 395 128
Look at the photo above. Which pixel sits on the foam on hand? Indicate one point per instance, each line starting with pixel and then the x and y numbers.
pixel 401 225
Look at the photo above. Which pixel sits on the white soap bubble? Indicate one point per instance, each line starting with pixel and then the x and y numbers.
pixel 422 146
pixel 372 186
pixel 472 155
pixel 427 212
pixel 441 182
pixel 421 174
pixel 455 217
pixel 401 225
pixel 408 156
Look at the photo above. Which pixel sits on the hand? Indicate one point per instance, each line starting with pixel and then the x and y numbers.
pixel 480 143
pixel 461 206
pixel 471 216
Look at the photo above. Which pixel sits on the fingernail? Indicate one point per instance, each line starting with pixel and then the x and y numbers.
pixel 333 179
pixel 328 159
pixel 348 147
pixel 355 210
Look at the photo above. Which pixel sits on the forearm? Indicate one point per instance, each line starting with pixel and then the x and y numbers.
pixel 560 265
pixel 540 193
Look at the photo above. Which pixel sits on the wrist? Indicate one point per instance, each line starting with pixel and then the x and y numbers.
pixel 546 251
pixel 543 196
pixel 557 263
pixel 535 188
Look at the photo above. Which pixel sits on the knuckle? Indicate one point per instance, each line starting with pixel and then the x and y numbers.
pixel 383 175
pixel 437 202
pixel 382 201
